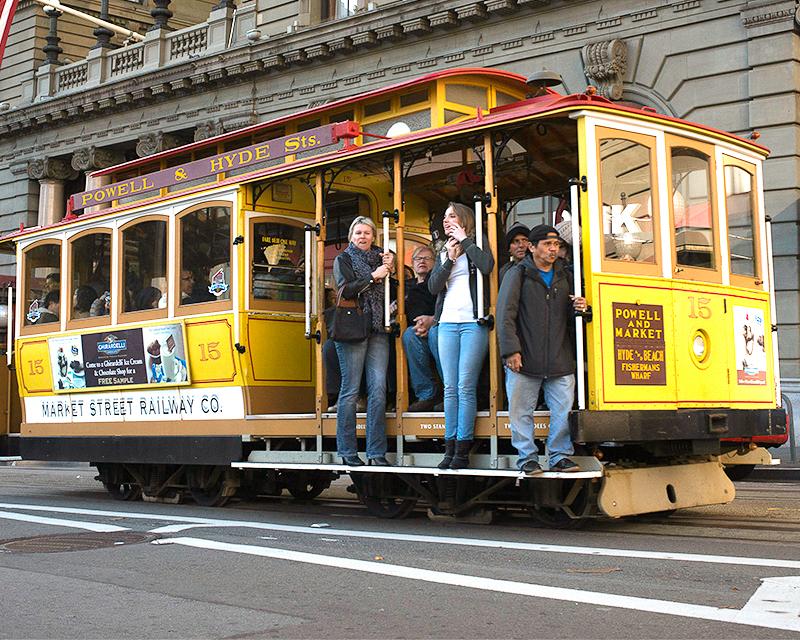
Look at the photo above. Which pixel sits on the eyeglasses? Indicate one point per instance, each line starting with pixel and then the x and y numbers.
pixel 425 258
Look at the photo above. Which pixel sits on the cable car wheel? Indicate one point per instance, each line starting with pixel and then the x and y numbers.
pixel 306 486
pixel 383 495
pixel 208 485
pixel 118 482
pixel 564 504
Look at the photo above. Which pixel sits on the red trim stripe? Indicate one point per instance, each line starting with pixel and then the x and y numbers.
pixel 7 9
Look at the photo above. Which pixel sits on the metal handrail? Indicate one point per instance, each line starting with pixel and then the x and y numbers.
pixel 786 402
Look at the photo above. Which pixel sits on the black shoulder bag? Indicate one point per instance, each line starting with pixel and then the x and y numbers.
pixel 350 323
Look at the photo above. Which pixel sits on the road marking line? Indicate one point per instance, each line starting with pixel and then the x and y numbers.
pixel 58 522
pixel 744 616
pixel 406 537
pixel 776 598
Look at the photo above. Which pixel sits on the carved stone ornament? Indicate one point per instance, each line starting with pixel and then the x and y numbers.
pixel 51 169
pixel 151 143
pixel 605 64
pixel 92 158
pixel 208 129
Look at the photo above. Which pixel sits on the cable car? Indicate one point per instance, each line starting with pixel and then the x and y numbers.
pixel 182 350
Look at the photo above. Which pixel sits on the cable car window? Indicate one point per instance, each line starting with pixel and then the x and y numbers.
pixel 468 95
pixel 144 260
pixel 626 186
pixel 691 207
pixel 42 284
pixel 205 255
pixel 741 220
pixel 90 279
pixel 278 261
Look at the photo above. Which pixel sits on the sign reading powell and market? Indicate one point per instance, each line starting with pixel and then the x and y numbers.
pixel 308 140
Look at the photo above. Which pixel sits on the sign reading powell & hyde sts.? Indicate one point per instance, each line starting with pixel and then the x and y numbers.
pixel 269 150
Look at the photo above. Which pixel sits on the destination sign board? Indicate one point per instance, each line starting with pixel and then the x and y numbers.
pixel 308 140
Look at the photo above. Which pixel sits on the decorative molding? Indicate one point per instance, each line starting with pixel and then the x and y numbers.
pixel 151 143
pixel 444 19
pixel 605 64
pixel 208 129
pixel 644 15
pixel 92 158
pixel 770 17
pixel 51 169
pixel 685 6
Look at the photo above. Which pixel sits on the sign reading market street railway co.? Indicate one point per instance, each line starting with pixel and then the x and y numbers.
pixel 145 356
pixel 639 344
pixel 260 152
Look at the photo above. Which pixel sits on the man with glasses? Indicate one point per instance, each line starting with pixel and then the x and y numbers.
pixel 420 306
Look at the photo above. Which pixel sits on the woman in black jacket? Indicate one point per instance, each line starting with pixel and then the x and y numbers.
pixel 462 341
pixel 359 272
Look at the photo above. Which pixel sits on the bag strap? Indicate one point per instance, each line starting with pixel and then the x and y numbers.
pixel 341 301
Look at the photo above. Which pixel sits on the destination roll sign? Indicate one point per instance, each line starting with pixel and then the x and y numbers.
pixel 308 140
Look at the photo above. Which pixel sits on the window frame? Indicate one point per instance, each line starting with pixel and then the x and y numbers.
pixel 611 265
pixel 684 272
pixel 757 280
pixel 254 303
pixel 97 321
pixel 140 316
pixel 212 306
pixel 50 327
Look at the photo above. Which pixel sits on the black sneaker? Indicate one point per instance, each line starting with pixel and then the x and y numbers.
pixel 353 461
pixel 531 468
pixel 422 405
pixel 380 461
pixel 565 465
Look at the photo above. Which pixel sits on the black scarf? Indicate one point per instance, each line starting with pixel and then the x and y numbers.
pixel 364 263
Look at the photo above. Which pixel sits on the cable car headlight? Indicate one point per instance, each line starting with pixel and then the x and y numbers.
pixel 700 346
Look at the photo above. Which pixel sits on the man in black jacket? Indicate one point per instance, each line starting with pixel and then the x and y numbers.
pixel 535 332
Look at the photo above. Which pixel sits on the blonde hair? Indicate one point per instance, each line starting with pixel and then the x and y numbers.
pixel 423 247
pixel 362 220
pixel 465 215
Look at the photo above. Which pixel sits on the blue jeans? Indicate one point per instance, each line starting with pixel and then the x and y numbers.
pixel 418 354
pixel 462 350
pixel 354 357
pixel 523 392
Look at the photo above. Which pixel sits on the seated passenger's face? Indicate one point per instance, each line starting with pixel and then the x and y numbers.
pixel 519 247
pixel 362 236
pixel 563 249
pixel 423 263
pixel 187 282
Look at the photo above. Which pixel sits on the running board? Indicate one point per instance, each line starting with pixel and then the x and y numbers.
pixel 595 471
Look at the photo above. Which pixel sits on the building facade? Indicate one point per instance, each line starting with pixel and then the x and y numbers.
pixel 218 66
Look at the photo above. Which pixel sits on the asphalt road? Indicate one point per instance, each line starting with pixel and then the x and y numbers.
pixel 282 569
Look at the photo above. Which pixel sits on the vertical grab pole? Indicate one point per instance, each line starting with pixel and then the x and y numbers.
pixel 479 244
pixel 773 313
pixel 577 289
pixel 307 292
pixel 10 327
pixel 387 311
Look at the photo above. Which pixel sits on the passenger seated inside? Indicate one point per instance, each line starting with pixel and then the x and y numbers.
pixel 52 307
pixel 148 298
pixel 82 301
pixel 420 308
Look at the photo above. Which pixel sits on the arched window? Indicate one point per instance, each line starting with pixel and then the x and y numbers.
pixel 90 278
pixel 144 269
pixel 205 258
pixel 42 285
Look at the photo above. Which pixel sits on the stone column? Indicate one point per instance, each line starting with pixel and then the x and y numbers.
pixel 89 159
pixel 51 174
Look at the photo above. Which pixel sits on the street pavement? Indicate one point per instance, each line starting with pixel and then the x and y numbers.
pixel 276 568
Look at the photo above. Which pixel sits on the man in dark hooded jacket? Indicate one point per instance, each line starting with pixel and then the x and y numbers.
pixel 535 332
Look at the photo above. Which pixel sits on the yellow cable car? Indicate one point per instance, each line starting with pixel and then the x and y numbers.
pixel 173 332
